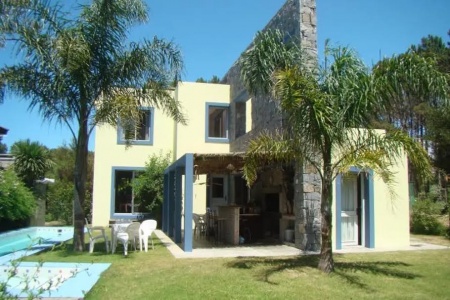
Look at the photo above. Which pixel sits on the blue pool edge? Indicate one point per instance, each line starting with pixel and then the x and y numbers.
pixel 65 235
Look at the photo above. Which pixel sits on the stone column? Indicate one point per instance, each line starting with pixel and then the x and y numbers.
pixel 307 209
pixel 308 31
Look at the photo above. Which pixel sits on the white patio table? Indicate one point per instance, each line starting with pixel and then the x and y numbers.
pixel 119 226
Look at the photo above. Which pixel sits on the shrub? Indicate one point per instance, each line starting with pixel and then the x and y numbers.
pixel 60 202
pixel 149 186
pixel 16 201
pixel 425 217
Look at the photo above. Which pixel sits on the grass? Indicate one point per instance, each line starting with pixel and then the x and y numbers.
pixel 432 239
pixel 157 275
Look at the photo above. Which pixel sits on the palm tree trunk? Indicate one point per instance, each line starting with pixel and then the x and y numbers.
pixel 326 263
pixel 80 186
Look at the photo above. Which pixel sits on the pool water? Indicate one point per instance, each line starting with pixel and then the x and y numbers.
pixel 33 238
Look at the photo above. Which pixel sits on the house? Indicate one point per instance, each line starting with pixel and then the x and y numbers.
pixel 3 131
pixel 208 155
pixel 5 159
pixel 115 163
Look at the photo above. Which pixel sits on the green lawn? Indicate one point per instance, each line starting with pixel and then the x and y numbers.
pixel 157 275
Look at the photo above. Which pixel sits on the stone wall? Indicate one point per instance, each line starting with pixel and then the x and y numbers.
pixel 265 114
pixel 297 19
pixel 307 209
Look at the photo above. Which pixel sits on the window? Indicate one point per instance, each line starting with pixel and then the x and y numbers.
pixel 217 189
pixel 138 131
pixel 217 116
pixel 125 200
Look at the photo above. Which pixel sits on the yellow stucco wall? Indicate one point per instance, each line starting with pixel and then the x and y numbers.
pixel 194 96
pixel 168 136
pixel 391 214
pixel 109 154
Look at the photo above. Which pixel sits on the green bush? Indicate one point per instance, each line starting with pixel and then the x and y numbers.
pixel 425 217
pixel 60 202
pixel 16 201
pixel 149 185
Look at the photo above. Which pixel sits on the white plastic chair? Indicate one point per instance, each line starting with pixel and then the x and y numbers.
pixel 145 232
pixel 130 235
pixel 200 224
pixel 94 237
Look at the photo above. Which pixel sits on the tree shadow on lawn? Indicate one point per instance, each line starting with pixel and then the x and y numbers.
pixel 346 270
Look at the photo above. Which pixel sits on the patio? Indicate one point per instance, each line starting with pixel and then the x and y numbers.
pixel 281 250
pixel 261 213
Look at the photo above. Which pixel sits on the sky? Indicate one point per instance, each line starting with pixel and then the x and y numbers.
pixel 212 33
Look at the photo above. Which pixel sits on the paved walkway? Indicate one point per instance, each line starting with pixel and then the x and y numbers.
pixel 278 250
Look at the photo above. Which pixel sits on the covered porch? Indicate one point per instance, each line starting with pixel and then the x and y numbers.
pixel 257 215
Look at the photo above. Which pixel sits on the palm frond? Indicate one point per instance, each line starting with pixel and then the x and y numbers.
pixel 267 148
pixel 270 52
pixel 410 76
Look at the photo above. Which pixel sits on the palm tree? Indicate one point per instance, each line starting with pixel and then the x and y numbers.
pixel 80 72
pixel 31 161
pixel 323 118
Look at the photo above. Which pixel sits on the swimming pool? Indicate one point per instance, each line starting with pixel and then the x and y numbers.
pixel 33 239
pixel 57 280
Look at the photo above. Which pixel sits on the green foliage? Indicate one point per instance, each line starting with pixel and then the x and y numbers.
pixel 77 69
pixel 434 47
pixel 16 200
pixel 149 185
pixel 60 194
pixel 3 148
pixel 417 84
pixel 60 202
pixel 328 118
pixel 425 214
pixel 214 79
pixel 31 161
pixel 436 117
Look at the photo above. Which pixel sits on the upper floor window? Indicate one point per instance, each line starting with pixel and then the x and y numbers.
pixel 139 131
pixel 217 122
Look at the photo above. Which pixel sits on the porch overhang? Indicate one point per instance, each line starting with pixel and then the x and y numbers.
pixel 195 164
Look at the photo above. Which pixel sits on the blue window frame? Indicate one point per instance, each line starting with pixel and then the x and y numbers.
pixel 139 132
pixel 217 122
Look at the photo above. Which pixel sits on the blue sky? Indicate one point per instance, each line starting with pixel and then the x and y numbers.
pixel 213 33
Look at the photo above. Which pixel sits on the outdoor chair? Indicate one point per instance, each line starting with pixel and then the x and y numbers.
pixel 211 224
pixel 130 235
pixel 200 224
pixel 145 232
pixel 96 233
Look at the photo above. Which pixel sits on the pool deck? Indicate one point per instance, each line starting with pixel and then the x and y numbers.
pixel 75 287
pixel 72 288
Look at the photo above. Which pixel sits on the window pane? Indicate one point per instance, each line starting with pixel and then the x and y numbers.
pixel 123 191
pixel 125 199
pixel 218 122
pixel 217 187
pixel 144 126
pixel 137 130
